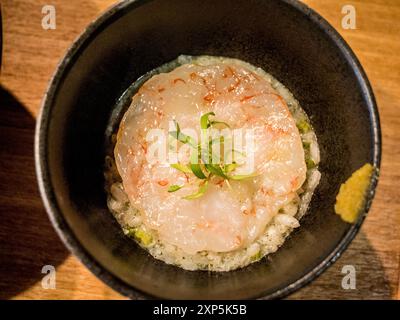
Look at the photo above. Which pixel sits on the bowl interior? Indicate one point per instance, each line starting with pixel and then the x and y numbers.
pixel 139 36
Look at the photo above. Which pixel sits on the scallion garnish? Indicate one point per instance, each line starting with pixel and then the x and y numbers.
pixel 243 176
pixel 202 165
pixel 174 188
pixel 202 189
pixel 181 167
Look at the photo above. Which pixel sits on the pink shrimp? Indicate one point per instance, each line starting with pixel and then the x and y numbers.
pixel 227 217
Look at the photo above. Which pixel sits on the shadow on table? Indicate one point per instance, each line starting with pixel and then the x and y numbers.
pixel 372 280
pixel 27 238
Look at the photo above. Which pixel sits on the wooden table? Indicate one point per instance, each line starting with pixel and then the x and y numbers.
pixel 27 239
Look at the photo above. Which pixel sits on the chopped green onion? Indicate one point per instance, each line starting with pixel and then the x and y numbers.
pixel 196 169
pixel 306 145
pixel 310 164
pixel 178 128
pixel 180 136
pixel 256 256
pixel 230 167
pixel 216 169
pixel 141 236
pixel 195 166
pixel 243 176
pixel 181 167
pixel 174 188
pixel 204 122
pixel 303 126
pixel 199 193
pixel 219 122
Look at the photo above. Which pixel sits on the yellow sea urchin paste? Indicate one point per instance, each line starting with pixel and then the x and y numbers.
pixel 351 196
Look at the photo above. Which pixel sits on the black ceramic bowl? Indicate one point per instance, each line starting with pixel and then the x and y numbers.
pixel 285 38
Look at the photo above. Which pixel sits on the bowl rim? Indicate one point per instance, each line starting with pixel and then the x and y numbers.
pixel 67 235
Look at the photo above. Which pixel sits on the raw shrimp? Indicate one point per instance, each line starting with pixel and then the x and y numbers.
pixel 226 217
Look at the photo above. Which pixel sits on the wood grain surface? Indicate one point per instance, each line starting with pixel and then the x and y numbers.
pixel 27 239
